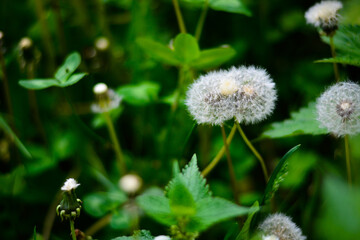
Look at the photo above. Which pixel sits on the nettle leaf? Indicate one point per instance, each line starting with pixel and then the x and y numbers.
pixel 37 84
pixel 140 94
pixel 158 51
pixel 301 123
pixel 180 199
pixel 98 204
pixel 277 176
pixel 186 48
pixel 72 62
pixel 245 231
pixel 138 235
pixel 232 6
pixel 212 58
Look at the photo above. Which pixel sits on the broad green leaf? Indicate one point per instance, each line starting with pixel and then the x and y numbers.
pixel 158 51
pixel 277 176
pixel 138 235
pixel 37 84
pixel 301 123
pixel 342 59
pixel 158 207
pixel 73 79
pixel 120 220
pixel 232 6
pixel 180 199
pixel 245 231
pixel 186 48
pixel 212 58
pixel 72 62
pixel 213 210
pixel 18 143
pixel 140 94
pixel 98 204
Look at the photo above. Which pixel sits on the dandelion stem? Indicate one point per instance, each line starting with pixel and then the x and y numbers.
pixel 333 53
pixel 219 155
pixel 201 21
pixel 179 16
pixel 347 156
pixel 230 165
pixel 116 144
pixel 255 152
pixel 72 229
pixel 6 86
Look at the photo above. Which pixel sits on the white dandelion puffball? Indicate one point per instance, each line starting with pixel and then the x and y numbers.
pixel 100 88
pixel 107 99
pixel 246 93
pixel 162 237
pixel 271 237
pixel 130 183
pixel 281 227
pixel 324 14
pixel 338 109
pixel 70 184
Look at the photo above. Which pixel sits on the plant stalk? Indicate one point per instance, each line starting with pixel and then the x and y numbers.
pixel 219 155
pixel 333 54
pixel 179 16
pixel 72 229
pixel 347 156
pixel 255 152
pixel 200 24
pixel 6 86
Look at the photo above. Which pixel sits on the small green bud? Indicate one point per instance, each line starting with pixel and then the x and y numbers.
pixel 70 206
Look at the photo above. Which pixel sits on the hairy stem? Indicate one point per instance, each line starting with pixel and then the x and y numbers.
pixel 72 229
pixel 333 54
pixel 200 24
pixel 219 155
pixel 179 16
pixel 347 156
pixel 255 152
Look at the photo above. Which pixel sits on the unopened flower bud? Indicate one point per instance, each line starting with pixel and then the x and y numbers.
pixel 106 99
pixel 70 206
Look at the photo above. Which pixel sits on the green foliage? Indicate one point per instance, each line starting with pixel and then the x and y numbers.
pixel 139 94
pixel 188 196
pixel 98 204
pixel 138 235
pixel 301 122
pixel 245 231
pixel 63 77
pixel 231 6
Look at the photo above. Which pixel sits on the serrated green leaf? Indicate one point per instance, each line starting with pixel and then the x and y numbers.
pixel 37 84
pixel 301 123
pixel 232 6
pixel 158 207
pixel 138 235
pixel 71 63
pixel 213 210
pixel 73 79
pixel 186 48
pixel 158 51
pixel 180 199
pixel 342 59
pixel 98 204
pixel 277 176
pixel 140 94
pixel 245 231
pixel 212 58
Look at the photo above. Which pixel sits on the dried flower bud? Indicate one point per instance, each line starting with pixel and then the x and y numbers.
pixel 324 15
pixel 107 99
pixel 338 109
pixel 70 206
pixel 281 227
pixel 130 183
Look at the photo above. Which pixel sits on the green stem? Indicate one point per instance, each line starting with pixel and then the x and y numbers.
pixel 72 229
pixel 347 156
pixel 230 165
pixel 201 21
pixel 333 54
pixel 179 16
pixel 255 152
pixel 6 87
pixel 219 155
pixel 116 144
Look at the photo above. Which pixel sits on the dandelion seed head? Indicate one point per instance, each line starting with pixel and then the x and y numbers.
pixel 70 184
pixel 271 237
pixel 100 88
pixel 107 99
pixel 338 109
pixel 324 15
pixel 281 227
pixel 162 237
pixel 228 87
pixel 130 183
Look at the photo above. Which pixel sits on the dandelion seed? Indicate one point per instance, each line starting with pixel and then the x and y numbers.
pixel 107 99
pixel 279 226
pixel 324 15
pixel 338 109
pixel 70 184
pixel 130 183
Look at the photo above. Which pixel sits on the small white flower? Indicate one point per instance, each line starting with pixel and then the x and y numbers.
pixel 70 184
pixel 280 226
pixel 162 237
pixel 324 15
pixel 107 99
pixel 130 183
pixel 271 237
pixel 338 109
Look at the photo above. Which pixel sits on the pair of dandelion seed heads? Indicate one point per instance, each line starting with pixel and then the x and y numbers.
pixel 245 93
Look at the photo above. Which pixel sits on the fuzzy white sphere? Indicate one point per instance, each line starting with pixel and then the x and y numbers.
pixel 246 93
pixel 70 184
pixel 324 14
pixel 282 227
pixel 130 183
pixel 102 43
pixel 162 237
pixel 271 237
pixel 100 88
pixel 338 109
